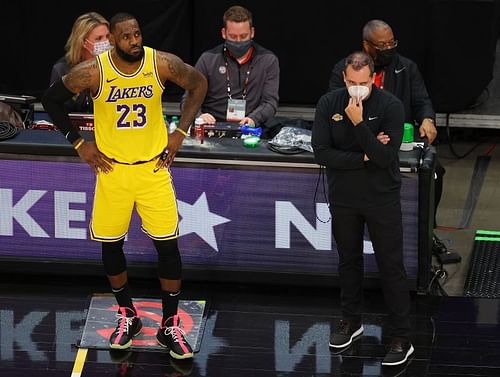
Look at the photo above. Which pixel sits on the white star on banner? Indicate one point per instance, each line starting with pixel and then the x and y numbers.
pixel 197 218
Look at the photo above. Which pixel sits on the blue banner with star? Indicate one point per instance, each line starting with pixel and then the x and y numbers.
pixel 239 218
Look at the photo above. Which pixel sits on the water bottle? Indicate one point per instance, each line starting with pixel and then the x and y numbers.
pixel 173 124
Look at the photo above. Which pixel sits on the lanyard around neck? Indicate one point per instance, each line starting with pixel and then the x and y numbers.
pixel 245 83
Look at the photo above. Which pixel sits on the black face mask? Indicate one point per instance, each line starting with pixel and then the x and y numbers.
pixel 238 49
pixel 384 57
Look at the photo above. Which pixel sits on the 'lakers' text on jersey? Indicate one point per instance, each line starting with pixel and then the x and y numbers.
pixel 128 119
pixel 137 92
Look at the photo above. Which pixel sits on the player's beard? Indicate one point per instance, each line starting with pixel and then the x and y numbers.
pixel 128 57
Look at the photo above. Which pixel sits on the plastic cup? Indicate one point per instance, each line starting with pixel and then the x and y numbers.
pixel 408 133
pixel 407 144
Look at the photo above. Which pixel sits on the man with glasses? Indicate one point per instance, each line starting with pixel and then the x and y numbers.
pixel 401 77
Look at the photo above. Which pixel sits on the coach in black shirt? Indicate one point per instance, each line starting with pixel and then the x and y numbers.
pixel 364 188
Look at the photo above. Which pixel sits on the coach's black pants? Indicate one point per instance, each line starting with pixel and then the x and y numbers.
pixel 386 233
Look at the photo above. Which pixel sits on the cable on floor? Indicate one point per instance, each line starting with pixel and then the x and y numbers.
pixel 435 288
pixel 7 130
pixel 450 144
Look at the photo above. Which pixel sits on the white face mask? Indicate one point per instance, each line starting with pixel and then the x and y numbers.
pixel 358 92
pixel 100 47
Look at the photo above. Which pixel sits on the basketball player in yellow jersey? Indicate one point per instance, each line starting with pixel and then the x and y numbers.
pixel 131 157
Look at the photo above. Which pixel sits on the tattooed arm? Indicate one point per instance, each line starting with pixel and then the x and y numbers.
pixel 172 68
pixel 83 76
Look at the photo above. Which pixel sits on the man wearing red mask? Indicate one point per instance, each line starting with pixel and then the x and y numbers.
pixel 401 77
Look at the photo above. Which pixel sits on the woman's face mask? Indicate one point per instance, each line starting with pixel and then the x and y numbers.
pixel 100 46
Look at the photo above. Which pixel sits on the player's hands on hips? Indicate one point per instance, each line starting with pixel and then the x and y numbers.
pixel 175 140
pixel 89 153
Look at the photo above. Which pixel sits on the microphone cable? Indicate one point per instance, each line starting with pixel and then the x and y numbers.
pixel 450 142
pixel 321 182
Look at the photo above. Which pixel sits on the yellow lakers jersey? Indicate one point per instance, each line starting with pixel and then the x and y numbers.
pixel 128 118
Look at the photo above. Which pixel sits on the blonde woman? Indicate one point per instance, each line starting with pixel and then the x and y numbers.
pixel 89 37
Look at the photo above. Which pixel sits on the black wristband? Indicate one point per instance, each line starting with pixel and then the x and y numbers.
pixel 53 102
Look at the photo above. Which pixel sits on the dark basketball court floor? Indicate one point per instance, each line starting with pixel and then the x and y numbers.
pixel 250 330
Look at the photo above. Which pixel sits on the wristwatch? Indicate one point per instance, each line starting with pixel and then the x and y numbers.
pixel 430 120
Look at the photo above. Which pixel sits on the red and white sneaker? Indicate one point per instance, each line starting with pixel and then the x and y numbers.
pixel 129 326
pixel 171 336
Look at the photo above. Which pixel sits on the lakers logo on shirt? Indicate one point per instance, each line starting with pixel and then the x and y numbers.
pixel 337 117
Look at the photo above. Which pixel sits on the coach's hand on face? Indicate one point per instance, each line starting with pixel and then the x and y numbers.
pixel 354 111
pixel 89 153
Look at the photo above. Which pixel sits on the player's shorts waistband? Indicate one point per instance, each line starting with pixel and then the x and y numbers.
pixel 136 162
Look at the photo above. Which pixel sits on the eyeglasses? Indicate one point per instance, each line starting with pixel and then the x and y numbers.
pixel 384 46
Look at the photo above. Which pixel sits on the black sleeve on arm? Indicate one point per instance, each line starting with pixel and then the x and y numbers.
pixel 421 104
pixel 53 102
pixel 378 153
